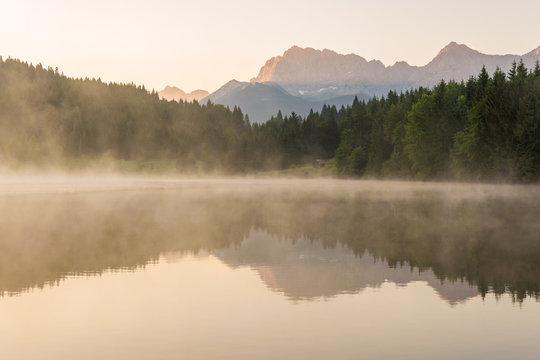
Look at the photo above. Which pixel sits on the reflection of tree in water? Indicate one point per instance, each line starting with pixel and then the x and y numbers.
pixel 491 244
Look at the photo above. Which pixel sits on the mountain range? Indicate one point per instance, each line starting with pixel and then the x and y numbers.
pixel 304 78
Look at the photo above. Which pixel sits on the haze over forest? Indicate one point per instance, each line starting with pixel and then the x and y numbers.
pixel 484 129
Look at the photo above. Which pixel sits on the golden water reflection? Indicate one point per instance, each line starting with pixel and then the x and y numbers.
pixel 302 270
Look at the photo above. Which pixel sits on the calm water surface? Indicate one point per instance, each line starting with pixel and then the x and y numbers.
pixel 268 269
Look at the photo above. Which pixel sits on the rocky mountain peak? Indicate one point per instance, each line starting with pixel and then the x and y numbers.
pixel 312 66
pixel 400 64
pixel 173 88
pixel 454 48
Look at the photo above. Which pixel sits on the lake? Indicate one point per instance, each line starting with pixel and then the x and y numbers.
pixel 164 268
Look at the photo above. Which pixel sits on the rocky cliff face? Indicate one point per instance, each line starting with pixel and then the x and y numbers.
pixel 310 66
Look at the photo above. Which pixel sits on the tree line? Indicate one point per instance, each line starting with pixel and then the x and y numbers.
pixel 487 128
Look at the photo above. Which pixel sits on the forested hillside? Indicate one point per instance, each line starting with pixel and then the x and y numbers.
pixel 485 129
pixel 49 119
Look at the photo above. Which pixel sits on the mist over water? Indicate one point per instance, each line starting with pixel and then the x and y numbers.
pixel 447 246
pixel 482 234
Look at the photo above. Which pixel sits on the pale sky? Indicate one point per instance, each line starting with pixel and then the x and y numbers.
pixel 203 44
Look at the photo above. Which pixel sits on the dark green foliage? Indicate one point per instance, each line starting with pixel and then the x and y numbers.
pixel 501 138
pixel 431 125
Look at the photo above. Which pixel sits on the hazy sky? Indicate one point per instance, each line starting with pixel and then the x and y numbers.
pixel 203 44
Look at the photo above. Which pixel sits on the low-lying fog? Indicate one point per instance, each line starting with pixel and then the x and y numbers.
pixel 60 183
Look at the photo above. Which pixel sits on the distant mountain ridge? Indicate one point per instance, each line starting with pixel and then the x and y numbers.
pixel 176 94
pixel 299 70
pixel 304 78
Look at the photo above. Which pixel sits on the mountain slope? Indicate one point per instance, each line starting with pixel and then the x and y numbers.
pixel 260 101
pixel 176 94
pixel 263 100
pixel 459 62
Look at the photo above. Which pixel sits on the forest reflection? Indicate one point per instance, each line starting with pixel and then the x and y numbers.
pixel 305 244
